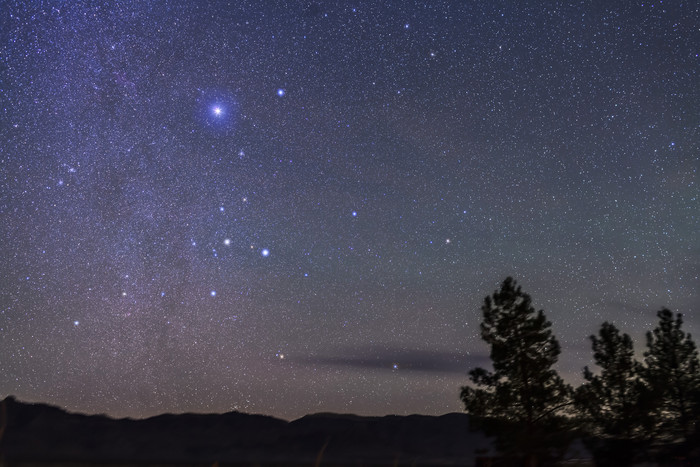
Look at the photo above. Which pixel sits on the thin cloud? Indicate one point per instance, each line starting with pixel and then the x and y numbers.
pixel 392 359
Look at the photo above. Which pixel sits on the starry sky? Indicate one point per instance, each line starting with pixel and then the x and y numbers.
pixel 287 207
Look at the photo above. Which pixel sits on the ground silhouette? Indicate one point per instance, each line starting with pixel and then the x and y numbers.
pixel 39 433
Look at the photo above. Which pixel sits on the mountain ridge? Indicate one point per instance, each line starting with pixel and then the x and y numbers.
pixel 36 432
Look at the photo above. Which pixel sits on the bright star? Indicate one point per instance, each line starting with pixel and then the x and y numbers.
pixel 354 214
pixel 213 293
pixel 281 92
pixel 227 241
pixel 217 111
pixel 76 323
pixel 265 252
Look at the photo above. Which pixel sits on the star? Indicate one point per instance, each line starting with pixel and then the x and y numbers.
pixel 265 252
pixel 218 111
pixel 227 241
pixel 281 92
pixel 213 293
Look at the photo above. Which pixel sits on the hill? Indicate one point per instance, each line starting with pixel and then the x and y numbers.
pixel 39 433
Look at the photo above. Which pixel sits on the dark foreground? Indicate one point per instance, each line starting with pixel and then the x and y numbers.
pixel 37 434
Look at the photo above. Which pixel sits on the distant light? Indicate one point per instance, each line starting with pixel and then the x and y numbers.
pixel 213 293
pixel 227 241
pixel 221 209
pixel 406 26
pixel 218 111
pixel 281 92
pixel 76 323
pixel 354 214
pixel 265 252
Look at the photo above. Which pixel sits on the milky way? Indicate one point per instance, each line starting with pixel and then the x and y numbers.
pixel 294 207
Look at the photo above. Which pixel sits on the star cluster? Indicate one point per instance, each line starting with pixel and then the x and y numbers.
pixel 296 207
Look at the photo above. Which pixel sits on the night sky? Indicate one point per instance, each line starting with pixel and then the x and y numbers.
pixel 295 207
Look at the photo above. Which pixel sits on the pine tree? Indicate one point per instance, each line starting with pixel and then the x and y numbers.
pixel 522 390
pixel 614 403
pixel 673 372
pixel 611 401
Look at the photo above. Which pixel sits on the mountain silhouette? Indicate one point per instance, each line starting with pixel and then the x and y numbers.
pixel 40 433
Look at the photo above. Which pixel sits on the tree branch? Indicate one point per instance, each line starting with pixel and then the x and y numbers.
pixel 553 409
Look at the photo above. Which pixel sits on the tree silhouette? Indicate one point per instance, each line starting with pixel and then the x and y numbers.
pixel 614 404
pixel 611 400
pixel 522 390
pixel 673 373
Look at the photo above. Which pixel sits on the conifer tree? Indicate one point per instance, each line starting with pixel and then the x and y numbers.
pixel 611 400
pixel 523 389
pixel 614 404
pixel 673 373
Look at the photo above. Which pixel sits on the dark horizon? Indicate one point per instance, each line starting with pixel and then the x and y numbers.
pixel 288 208
pixel 41 404
pixel 234 439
